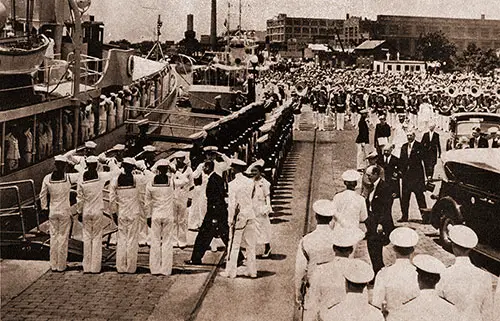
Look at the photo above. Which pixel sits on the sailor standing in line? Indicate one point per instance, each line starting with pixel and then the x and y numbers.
pixel 329 278
pixel 182 180
pixel 241 220
pixel 125 200
pixel 427 305
pixel 349 207
pixel 159 203
pixel 103 115
pixel 463 284
pixel 314 248
pixel 397 284
pixel 90 204
pixel 56 187
pixel 355 306
pixel 261 198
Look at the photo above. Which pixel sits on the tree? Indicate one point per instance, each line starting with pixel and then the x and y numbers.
pixel 123 43
pixel 435 46
pixel 476 60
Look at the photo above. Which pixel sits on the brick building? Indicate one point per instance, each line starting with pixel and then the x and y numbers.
pixel 305 30
pixel 403 32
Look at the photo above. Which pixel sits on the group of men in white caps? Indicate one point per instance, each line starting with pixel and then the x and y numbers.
pixel 332 277
pixel 164 192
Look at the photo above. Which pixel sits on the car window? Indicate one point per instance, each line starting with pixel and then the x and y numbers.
pixel 465 128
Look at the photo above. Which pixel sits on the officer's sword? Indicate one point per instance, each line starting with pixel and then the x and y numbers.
pixel 233 230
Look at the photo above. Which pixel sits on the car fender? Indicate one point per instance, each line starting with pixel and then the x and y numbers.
pixel 446 206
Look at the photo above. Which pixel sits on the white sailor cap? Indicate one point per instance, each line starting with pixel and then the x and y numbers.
pixel 347 237
pixel 149 148
pixel 162 162
pixel 60 158
pixel 358 271
pixel 210 148
pixel 363 111
pixel 119 147
pixel 180 154
pixel 323 208
pixel 102 97
pixel 128 160
pixel 428 263
pixel 218 97
pixel 493 130
pixel 381 117
pixel 404 237
pixel 114 94
pixel 238 162
pixel 141 164
pixel 351 176
pixel 372 155
pixel 463 236
pixel 262 139
pixel 91 159
pixel 88 108
pixel 90 144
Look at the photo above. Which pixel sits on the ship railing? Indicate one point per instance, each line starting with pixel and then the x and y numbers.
pixel 90 66
pixel 20 206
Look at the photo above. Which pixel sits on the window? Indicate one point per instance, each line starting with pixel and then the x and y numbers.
pixel 485 33
pixel 314 31
pixel 289 29
pixel 398 67
pixel 305 30
pixel 297 29
pixel 420 30
pixel 322 23
pixel 417 68
pixel 407 68
pixel 389 67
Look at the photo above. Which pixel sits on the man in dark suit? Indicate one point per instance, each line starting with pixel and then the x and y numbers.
pixel 392 174
pixel 382 130
pixel 413 175
pixel 432 150
pixel 215 223
pixel 477 141
pixel 379 203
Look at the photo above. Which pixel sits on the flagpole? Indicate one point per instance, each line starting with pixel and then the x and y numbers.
pixel 228 25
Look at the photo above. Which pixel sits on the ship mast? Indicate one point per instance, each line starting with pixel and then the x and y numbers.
pixel 77 40
pixel 239 25
pixel 157 46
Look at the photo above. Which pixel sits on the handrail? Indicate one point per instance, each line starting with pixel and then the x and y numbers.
pixel 18 199
pixel 34 206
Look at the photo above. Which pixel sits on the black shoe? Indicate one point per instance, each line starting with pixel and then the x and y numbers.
pixel 191 262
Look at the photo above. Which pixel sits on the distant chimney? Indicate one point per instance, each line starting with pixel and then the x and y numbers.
pixel 91 18
pixel 388 55
pixel 190 18
pixel 397 55
pixel 213 26
pixel 347 16
pixel 483 16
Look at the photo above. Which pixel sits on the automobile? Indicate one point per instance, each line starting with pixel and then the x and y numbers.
pixel 461 125
pixel 469 194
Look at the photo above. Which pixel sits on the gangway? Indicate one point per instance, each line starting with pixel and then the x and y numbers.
pixel 24 230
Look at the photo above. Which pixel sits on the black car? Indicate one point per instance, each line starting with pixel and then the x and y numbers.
pixel 470 195
pixel 462 124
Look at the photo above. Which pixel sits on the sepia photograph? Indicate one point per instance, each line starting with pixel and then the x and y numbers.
pixel 250 160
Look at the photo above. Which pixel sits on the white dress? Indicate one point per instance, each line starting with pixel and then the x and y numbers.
pixel 262 208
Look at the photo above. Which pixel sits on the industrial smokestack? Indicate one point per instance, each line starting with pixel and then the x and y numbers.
pixel 190 22
pixel 213 27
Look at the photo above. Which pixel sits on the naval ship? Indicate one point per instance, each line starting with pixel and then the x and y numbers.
pixel 60 86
